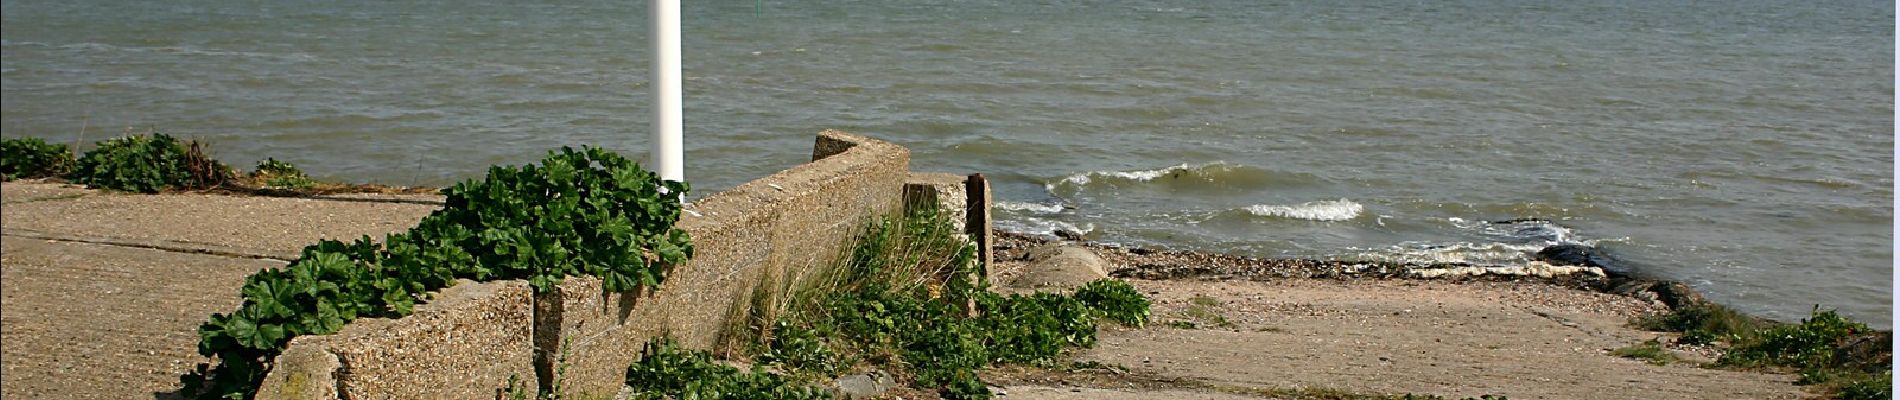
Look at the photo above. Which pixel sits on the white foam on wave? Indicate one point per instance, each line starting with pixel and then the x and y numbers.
pixel 1530 232
pixel 1504 245
pixel 1328 210
pixel 1082 179
pixel 1040 226
pixel 1034 208
pixel 1493 253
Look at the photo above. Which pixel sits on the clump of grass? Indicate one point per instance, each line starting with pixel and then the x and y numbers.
pixel 33 158
pixel 1651 351
pixel 906 298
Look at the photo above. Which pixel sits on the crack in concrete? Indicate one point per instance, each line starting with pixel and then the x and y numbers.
pixel 71 196
pixel 340 375
pixel 162 245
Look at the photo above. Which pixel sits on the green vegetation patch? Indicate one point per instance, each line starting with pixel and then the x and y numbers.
pixel 279 174
pixel 1827 349
pixel 1704 323
pixel 149 164
pixel 33 158
pixel 666 371
pixel 1116 300
pixel 1845 359
pixel 907 299
pixel 589 212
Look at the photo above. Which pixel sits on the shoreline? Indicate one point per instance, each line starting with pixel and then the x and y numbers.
pixel 1143 263
pixel 1153 264
pixel 1329 297
pixel 1264 315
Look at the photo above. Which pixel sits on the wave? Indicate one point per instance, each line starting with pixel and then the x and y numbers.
pixel 1042 227
pixel 1035 208
pixel 1504 254
pixel 180 50
pixel 1535 232
pixel 1328 210
pixel 1218 174
pixel 1512 243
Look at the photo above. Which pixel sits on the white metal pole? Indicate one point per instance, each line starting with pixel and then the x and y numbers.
pixel 667 96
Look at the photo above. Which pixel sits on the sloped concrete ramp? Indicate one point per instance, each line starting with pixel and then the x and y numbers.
pixel 101 294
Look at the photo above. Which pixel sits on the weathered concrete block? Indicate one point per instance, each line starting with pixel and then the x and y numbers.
pixel 944 191
pixel 303 371
pixel 463 344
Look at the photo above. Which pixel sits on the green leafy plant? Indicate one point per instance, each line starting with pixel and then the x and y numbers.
pixel 33 158
pixel 1033 328
pixel 588 212
pixel 148 164
pixel 1809 343
pixel 1116 300
pixel 666 371
pixel 801 348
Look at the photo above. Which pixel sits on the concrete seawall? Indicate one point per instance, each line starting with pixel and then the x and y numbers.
pixel 472 338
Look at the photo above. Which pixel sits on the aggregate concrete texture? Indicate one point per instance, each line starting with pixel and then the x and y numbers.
pixel 88 321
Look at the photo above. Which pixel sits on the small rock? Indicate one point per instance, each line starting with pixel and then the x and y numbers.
pixel 863 386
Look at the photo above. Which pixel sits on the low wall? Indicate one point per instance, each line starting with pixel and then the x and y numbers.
pixel 472 338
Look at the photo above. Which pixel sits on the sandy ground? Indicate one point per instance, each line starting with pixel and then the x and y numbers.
pixel 1526 341
pixel 1270 329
